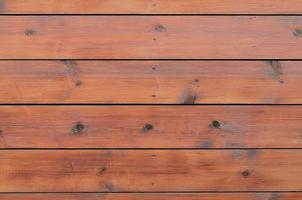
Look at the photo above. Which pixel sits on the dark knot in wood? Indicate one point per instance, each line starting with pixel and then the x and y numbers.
pixel 159 28
pixel 148 127
pixel 29 32
pixel 78 128
pixel 216 124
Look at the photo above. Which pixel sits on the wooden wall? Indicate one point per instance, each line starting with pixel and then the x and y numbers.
pixel 150 99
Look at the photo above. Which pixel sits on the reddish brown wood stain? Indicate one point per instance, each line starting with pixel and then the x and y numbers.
pixel 151 127
pixel 155 82
pixel 151 7
pixel 150 170
pixel 150 37
pixel 216 88
pixel 155 196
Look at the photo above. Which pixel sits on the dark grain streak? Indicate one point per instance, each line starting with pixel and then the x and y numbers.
pixel 110 187
pixel 102 170
pixel 2 6
pixel 252 153
pixel 30 32
pixel 238 154
pixel 297 32
pixel 190 99
pixel 3 138
pixel 206 144
pixel 276 65
pixel 72 71
pixel 275 196
pixel 277 70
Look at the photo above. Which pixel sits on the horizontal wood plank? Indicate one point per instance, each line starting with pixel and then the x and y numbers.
pixel 155 196
pixel 150 170
pixel 156 82
pixel 150 127
pixel 151 7
pixel 150 37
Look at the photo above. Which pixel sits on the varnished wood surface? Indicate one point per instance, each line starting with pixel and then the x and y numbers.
pixel 150 127
pixel 154 82
pixel 165 196
pixel 151 7
pixel 150 170
pixel 151 37
pixel 150 52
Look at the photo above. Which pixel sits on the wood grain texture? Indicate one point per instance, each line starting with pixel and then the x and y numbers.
pixel 151 7
pixel 156 82
pixel 150 127
pixel 151 37
pixel 150 170
pixel 155 196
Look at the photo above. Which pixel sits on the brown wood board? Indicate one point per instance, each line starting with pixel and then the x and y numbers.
pixel 151 37
pixel 151 82
pixel 151 7
pixel 150 127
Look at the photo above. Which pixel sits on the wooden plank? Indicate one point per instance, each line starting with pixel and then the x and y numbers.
pixel 150 37
pixel 155 196
pixel 151 7
pixel 156 82
pixel 150 170
pixel 150 127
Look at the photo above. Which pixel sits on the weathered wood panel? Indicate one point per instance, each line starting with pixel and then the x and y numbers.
pixel 176 82
pixel 150 170
pixel 150 127
pixel 150 37
pixel 151 7
pixel 155 196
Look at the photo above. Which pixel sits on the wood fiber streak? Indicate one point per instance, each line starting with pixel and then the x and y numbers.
pixel 150 127
pixel 151 7
pixel 155 82
pixel 150 170
pixel 139 196
pixel 150 37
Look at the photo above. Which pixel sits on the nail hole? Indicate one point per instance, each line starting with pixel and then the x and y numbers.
pixel 246 173
pixel 78 128
pixel 216 124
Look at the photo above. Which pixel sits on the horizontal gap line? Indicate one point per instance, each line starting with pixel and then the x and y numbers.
pixel 142 149
pixel 145 59
pixel 138 104
pixel 151 14
pixel 156 192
